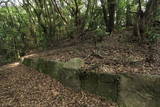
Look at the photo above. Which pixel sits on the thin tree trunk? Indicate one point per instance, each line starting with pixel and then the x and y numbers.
pixel 128 15
pixel 111 9
pixel 58 10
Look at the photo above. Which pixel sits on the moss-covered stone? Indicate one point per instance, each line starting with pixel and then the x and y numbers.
pixel 56 69
pixel 108 86
pixel 27 61
pixel 102 84
pixel 89 81
pixel 75 63
pixel 51 68
pixel 70 78
pixel 139 90
pixel 129 90
pixel 108 78
pixel 108 90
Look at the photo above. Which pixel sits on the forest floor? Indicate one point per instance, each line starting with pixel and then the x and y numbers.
pixel 115 54
pixel 21 86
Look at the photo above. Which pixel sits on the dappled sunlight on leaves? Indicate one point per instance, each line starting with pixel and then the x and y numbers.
pixel 31 56
pixel 9 66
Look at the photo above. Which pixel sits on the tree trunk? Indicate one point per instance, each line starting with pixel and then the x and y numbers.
pixel 144 19
pixel 76 13
pixel 111 9
pixel 104 14
pixel 128 15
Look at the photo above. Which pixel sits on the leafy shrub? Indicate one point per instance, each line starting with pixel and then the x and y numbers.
pixel 100 33
pixel 153 35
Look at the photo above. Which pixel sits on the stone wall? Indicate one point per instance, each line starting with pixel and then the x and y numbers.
pixel 139 90
pixel 128 90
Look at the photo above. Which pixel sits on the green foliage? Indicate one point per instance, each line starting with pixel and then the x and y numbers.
pixel 153 36
pixel 100 32
pixel 12 29
pixel 157 17
pixel 154 30
pixel 42 23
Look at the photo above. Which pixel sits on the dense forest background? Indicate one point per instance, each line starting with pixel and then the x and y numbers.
pixel 41 24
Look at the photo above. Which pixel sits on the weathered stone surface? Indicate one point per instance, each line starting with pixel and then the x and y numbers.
pixel 48 67
pixel 108 86
pixel 27 61
pixel 75 63
pixel 70 78
pixel 139 90
pixel 89 81
pixel 102 84
pixel 129 90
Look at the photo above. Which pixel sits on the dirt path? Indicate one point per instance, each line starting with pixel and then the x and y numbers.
pixel 24 87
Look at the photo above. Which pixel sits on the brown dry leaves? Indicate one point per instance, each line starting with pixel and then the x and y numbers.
pixel 112 55
pixel 24 87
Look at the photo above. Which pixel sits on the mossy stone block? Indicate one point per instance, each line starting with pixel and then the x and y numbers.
pixel 129 90
pixel 27 62
pixel 70 78
pixel 108 91
pixel 108 78
pixel 51 68
pixel 55 69
pixel 75 63
pixel 108 86
pixel 138 90
pixel 89 81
